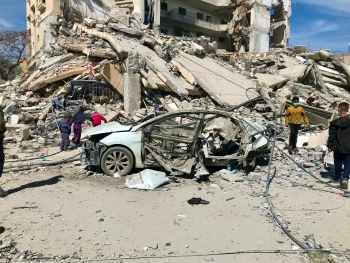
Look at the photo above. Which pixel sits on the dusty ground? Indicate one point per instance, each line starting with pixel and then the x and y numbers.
pixel 92 217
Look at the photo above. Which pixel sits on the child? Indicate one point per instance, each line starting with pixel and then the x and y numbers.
pixel 65 129
pixel 97 119
pixel 78 119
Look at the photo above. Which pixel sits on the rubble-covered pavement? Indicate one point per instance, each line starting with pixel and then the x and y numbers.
pixel 61 209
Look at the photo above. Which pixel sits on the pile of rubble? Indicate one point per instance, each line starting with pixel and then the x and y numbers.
pixel 128 72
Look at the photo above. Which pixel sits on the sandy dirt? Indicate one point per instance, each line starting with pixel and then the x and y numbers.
pixel 84 217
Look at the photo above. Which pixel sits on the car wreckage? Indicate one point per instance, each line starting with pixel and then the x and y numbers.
pixel 182 142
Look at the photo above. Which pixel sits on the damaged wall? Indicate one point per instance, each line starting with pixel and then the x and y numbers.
pixel 257 25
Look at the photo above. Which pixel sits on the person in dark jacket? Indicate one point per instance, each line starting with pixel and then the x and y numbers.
pixel 2 154
pixel 339 143
pixel 65 129
pixel 78 119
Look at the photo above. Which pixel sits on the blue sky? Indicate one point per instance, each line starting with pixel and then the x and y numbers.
pixel 315 23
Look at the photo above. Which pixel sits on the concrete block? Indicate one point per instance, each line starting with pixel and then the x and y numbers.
pixel 254 176
pixel 212 46
pixel 89 22
pixel 13 127
pixel 24 133
pixel 100 109
pixel 14 119
pixel 42 141
pixel 159 51
pixel 171 107
pixel 112 115
pixel 197 48
pixel 132 92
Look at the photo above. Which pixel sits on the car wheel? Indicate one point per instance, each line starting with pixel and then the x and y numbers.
pixel 117 160
pixel 249 164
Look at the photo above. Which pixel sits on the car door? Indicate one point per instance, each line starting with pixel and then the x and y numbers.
pixel 172 142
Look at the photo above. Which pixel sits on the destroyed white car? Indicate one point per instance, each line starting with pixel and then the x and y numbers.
pixel 184 141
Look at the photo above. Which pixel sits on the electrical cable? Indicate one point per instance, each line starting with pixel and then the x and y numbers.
pixel 318 179
pixel 328 183
pixel 270 178
pixel 306 186
pixel 277 251
pixel 33 158
pixel 28 167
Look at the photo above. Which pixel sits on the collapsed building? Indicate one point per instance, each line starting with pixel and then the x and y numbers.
pixel 125 60
pixel 235 25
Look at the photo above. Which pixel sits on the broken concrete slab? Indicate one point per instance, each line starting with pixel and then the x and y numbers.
pixel 162 72
pixel 171 107
pixel 112 115
pixel 335 91
pixel 112 74
pixel 24 133
pixel 100 53
pixel 30 79
pixel 223 85
pixel 198 49
pixel 124 29
pixel 333 81
pixel 14 119
pixel 273 81
pixel 108 37
pixel 55 60
pixel 317 55
pixel 43 81
pixel 13 127
pixel 148 41
pixel 293 73
pixel 184 72
pixel 237 177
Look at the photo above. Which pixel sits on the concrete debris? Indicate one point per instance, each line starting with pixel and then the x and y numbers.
pixel 147 180
pixel 132 69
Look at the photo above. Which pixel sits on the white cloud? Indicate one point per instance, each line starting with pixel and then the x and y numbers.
pixel 318 26
pixel 340 6
pixel 5 23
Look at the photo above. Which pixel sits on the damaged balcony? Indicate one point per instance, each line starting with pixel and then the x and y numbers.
pixel 191 18
pixel 41 5
pixel 31 4
pixel 30 18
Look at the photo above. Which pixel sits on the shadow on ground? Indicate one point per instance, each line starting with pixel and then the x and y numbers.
pixel 51 181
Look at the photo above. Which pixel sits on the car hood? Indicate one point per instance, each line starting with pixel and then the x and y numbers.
pixel 106 128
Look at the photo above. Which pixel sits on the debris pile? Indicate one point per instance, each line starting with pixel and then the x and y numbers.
pixel 130 73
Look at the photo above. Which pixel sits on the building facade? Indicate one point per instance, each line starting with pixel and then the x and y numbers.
pixel 40 13
pixel 238 26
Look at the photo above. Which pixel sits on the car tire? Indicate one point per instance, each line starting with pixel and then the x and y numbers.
pixel 117 159
pixel 249 164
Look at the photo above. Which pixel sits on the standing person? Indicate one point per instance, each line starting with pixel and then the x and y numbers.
pixel 3 193
pixel 339 143
pixel 97 119
pixel 65 129
pixel 293 120
pixel 78 119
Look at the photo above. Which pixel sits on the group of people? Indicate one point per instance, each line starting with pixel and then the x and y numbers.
pixel 77 121
pixel 338 138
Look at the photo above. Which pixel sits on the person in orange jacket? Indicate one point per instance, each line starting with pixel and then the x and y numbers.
pixel 293 117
